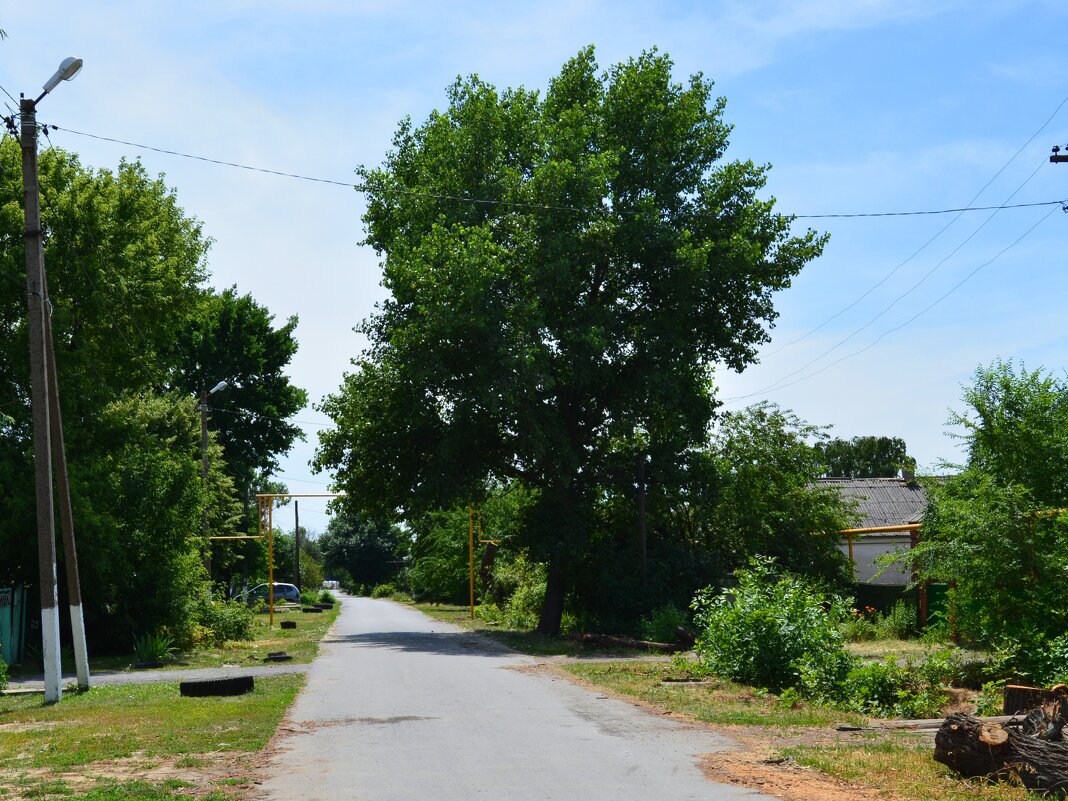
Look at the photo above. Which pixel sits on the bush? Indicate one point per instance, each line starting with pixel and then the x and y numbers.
pixel 309 597
pixel 152 649
pixel 383 591
pixel 662 624
pixel 909 690
pixel 3 674
pixel 900 623
pixel 226 620
pixel 769 628
pixel 327 597
pixel 859 627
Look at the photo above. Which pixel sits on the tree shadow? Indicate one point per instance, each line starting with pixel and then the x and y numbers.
pixel 444 643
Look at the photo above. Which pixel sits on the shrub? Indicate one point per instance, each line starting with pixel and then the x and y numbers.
pixel 889 689
pixel 383 591
pixel 768 628
pixel 152 649
pixel 309 597
pixel 226 620
pixel 900 623
pixel 327 597
pixel 3 674
pixel 858 627
pixel 522 608
pixel 662 624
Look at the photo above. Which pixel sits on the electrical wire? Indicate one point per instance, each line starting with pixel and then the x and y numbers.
pixel 13 100
pixel 537 206
pixel 912 288
pixel 907 322
pixel 968 207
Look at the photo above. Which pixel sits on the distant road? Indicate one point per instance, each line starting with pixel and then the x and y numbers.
pixel 400 707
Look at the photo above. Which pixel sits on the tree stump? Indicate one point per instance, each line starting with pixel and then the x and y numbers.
pixel 974 748
pixel 1018 698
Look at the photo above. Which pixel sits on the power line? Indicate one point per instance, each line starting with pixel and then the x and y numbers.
pixel 13 100
pixel 538 206
pixel 898 327
pixel 937 234
pixel 914 287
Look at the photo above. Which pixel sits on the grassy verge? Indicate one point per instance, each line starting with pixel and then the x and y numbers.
pixel 302 643
pixel 137 742
pixel 906 769
pixel 526 642
pixel 896 764
pixel 709 700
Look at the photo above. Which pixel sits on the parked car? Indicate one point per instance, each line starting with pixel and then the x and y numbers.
pixel 282 592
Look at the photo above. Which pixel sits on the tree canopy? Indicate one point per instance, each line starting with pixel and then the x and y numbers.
pixel 865 457
pixel 132 317
pixel 565 272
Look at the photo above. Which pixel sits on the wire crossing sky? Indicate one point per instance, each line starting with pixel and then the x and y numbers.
pixel 883 120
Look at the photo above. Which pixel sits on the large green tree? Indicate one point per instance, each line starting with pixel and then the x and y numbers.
pixel 565 271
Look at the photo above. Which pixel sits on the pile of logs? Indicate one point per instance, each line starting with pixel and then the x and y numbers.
pixel 1029 747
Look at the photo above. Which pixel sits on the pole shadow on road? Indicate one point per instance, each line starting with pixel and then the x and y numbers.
pixel 445 643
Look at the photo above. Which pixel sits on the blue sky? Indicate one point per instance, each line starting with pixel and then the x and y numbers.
pixel 859 106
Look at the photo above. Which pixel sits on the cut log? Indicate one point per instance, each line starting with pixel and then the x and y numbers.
pixel 974 748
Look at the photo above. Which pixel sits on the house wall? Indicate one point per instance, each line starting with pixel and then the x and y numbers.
pixel 866 549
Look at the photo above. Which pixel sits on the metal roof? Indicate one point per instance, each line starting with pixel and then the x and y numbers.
pixel 881 501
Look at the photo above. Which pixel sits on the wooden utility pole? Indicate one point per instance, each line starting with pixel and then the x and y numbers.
pixel 35 299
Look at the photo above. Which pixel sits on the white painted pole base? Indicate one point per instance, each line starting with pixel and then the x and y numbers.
pixel 81 655
pixel 53 672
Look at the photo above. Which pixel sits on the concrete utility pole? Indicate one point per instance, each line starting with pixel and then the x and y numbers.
pixel 204 466
pixel 35 300
pixel 296 539
pixel 47 421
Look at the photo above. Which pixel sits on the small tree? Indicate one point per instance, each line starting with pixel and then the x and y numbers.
pixel 998 531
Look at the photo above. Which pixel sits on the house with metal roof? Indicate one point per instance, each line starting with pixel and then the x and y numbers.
pixel 889 512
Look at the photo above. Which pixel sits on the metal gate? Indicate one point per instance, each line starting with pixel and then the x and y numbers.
pixel 12 624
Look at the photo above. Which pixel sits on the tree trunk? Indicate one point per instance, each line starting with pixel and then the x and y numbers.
pixel 552 609
pixel 973 748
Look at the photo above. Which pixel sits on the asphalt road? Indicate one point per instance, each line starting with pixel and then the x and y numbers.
pixel 400 707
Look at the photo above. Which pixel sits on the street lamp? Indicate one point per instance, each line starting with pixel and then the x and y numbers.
pixel 47 422
pixel 204 463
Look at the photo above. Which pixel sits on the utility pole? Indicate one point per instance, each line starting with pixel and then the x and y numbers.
pixel 66 515
pixel 35 299
pixel 204 468
pixel 296 539
pixel 642 534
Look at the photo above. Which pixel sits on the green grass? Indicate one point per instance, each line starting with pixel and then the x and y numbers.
pixel 114 722
pixel 710 701
pixel 302 643
pixel 902 768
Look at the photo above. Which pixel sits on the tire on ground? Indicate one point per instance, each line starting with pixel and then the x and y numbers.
pixel 232 685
